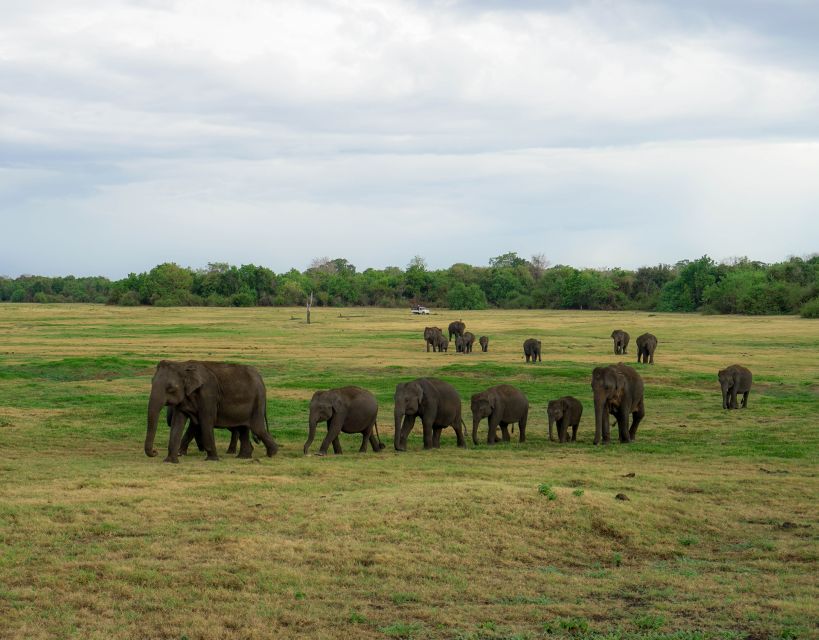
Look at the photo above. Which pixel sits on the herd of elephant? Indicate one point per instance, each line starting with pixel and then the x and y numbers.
pixel 208 395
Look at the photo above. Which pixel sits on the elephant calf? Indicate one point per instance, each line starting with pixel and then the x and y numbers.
pixel 503 405
pixel 347 409
pixel 734 380
pixel 566 412
pixel 463 343
pixel 484 342
pixel 443 343
pixel 646 344
pixel 531 349
pixel 618 390
pixel 621 339
pixel 432 336
pixel 438 405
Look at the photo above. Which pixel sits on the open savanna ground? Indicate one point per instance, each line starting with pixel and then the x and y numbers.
pixel 718 537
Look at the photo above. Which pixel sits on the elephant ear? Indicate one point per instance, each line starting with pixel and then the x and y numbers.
pixel 193 378
pixel 337 403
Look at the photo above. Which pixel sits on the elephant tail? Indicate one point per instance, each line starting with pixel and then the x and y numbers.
pixel 381 445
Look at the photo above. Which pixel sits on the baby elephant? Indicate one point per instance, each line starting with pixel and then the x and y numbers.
pixel 733 380
pixel 348 409
pixel 621 339
pixel 531 349
pixel 646 344
pixel 566 412
pixel 484 342
pixel 463 343
pixel 442 343
pixel 503 405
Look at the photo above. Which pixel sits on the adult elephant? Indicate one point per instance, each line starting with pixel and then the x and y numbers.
pixel 456 328
pixel 348 410
pixel 484 342
pixel 431 337
pixel 210 394
pixel 463 343
pixel 734 380
pixel 438 405
pixel 565 412
pixel 618 390
pixel 646 344
pixel 621 339
pixel 531 349
pixel 502 405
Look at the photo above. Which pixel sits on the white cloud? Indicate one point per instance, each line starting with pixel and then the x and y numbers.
pixel 275 131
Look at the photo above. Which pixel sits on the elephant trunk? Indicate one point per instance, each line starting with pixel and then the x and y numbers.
pixel 599 416
pixel 397 438
pixel 155 404
pixel 311 434
pixel 475 421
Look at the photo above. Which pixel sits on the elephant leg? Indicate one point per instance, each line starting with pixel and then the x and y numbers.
pixel 492 434
pixel 505 431
pixel 406 427
pixel 522 427
pixel 562 424
pixel 177 424
pixel 733 403
pixel 574 433
pixel 245 446
pixel 374 442
pixel 636 418
pixel 436 437
pixel 651 357
pixel 622 425
pixel 460 432
pixel 206 423
pixel 333 429
pixel 428 425
pixel 337 446
pixel 234 440
pixel 190 433
pixel 365 436
pixel 745 399
pixel 259 428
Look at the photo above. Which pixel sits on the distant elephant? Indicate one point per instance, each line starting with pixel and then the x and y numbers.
pixel 531 349
pixel 565 412
pixel 503 405
pixel 443 343
pixel 618 390
pixel 438 405
pixel 484 342
pixel 348 410
pixel 646 344
pixel 456 328
pixel 210 394
pixel 463 343
pixel 621 339
pixel 734 380
pixel 194 433
pixel 431 337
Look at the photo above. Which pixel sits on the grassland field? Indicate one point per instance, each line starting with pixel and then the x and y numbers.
pixel 718 538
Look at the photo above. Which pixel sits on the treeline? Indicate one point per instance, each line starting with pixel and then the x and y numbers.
pixel 509 282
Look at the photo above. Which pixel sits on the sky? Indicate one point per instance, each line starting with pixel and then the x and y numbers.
pixel 599 133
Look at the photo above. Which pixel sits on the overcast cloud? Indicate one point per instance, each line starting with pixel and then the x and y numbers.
pixel 598 133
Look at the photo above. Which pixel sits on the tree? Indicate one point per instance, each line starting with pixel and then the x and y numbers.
pixel 462 296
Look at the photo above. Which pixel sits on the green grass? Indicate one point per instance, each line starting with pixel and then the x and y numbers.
pixel 717 539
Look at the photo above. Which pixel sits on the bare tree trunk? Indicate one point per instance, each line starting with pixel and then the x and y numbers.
pixel 309 303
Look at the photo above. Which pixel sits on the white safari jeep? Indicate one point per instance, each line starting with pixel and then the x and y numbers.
pixel 419 310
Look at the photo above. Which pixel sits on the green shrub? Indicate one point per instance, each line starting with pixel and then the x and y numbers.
pixel 810 309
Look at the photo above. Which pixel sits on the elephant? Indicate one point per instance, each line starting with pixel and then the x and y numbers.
pixel 210 394
pixel 438 405
pixel 456 328
pixel 565 412
pixel 734 380
pixel 194 433
pixel 531 349
pixel 463 344
pixel 646 344
pixel 621 339
pixel 348 410
pixel 431 337
pixel 443 343
pixel 484 342
pixel 618 390
pixel 503 405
